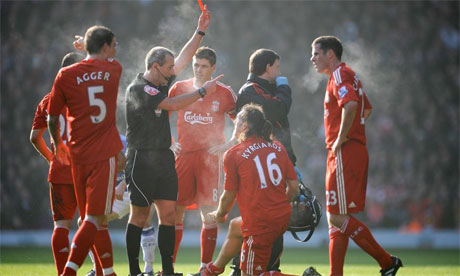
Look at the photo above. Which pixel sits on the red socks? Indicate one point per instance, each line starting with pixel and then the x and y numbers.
pixel 103 245
pixel 361 235
pixel 83 240
pixel 60 247
pixel 208 241
pixel 179 229
pixel 338 244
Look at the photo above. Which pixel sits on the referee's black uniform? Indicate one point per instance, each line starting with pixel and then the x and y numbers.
pixel 150 171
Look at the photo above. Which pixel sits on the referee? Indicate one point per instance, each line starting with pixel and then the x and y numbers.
pixel 150 171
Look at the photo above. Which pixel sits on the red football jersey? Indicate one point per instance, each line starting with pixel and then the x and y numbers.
pixel 257 170
pixel 344 86
pixel 58 172
pixel 89 89
pixel 201 124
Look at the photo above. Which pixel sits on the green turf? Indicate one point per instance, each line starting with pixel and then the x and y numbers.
pixel 39 261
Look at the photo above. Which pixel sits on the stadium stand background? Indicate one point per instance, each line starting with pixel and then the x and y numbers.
pixel 406 53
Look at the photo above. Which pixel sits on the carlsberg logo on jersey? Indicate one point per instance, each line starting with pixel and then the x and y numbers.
pixel 194 118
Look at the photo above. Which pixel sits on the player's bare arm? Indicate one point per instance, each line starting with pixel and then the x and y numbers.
pixel 61 150
pixel 292 189
pixel 220 149
pixel 186 54
pixel 239 127
pixel 36 138
pixel 348 115
pixel 227 199
pixel 179 102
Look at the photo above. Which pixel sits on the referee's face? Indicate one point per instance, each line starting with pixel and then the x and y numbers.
pixel 166 70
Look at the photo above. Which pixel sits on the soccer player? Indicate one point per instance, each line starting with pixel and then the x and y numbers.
pixel 199 150
pixel 89 90
pixel 346 109
pixel 62 196
pixel 266 87
pixel 261 177
pixel 150 171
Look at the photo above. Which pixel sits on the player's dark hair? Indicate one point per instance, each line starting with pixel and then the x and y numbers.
pixel 206 53
pixel 71 58
pixel 260 59
pixel 329 42
pixel 158 55
pixel 254 116
pixel 96 37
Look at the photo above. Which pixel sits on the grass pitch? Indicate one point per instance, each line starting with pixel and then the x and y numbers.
pixel 420 262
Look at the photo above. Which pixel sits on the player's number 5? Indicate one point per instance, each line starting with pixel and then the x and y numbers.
pixel 93 101
pixel 271 168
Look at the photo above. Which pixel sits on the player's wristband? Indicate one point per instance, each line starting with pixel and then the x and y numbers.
pixel 202 92
pixel 200 32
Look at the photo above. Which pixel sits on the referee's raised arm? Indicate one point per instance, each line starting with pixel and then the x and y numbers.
pixel 186 54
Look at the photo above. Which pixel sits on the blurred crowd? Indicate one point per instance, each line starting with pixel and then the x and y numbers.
pixel 406 54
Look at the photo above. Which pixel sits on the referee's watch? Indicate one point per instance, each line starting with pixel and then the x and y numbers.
pixel 202 92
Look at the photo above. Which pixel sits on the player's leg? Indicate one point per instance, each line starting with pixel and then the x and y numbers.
pixel 166 233
pixel 209 178
pixel 178 228
pixel 64 206
pixel 351 163
pixel 208 235
pixel 148 242
pixel 338 242
pixel 97 266
pixel 120 209
pixel 230 248
pixel 84 185
pixel 100 197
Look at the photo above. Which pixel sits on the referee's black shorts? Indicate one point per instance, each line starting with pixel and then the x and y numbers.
pixel 150 175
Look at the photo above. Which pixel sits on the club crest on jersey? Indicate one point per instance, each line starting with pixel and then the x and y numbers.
pixel 152 91
pixel 343 91
pixel 215 106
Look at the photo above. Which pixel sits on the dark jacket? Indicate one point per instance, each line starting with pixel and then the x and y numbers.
pixel 276 103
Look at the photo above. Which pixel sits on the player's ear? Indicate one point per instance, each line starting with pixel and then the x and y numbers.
pixel 330 53
pixel 267 67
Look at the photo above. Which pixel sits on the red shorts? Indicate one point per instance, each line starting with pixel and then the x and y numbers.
pixel 346 179
pixel 63 201
pixel 256 251
pixel 95 186
pixel 200 177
